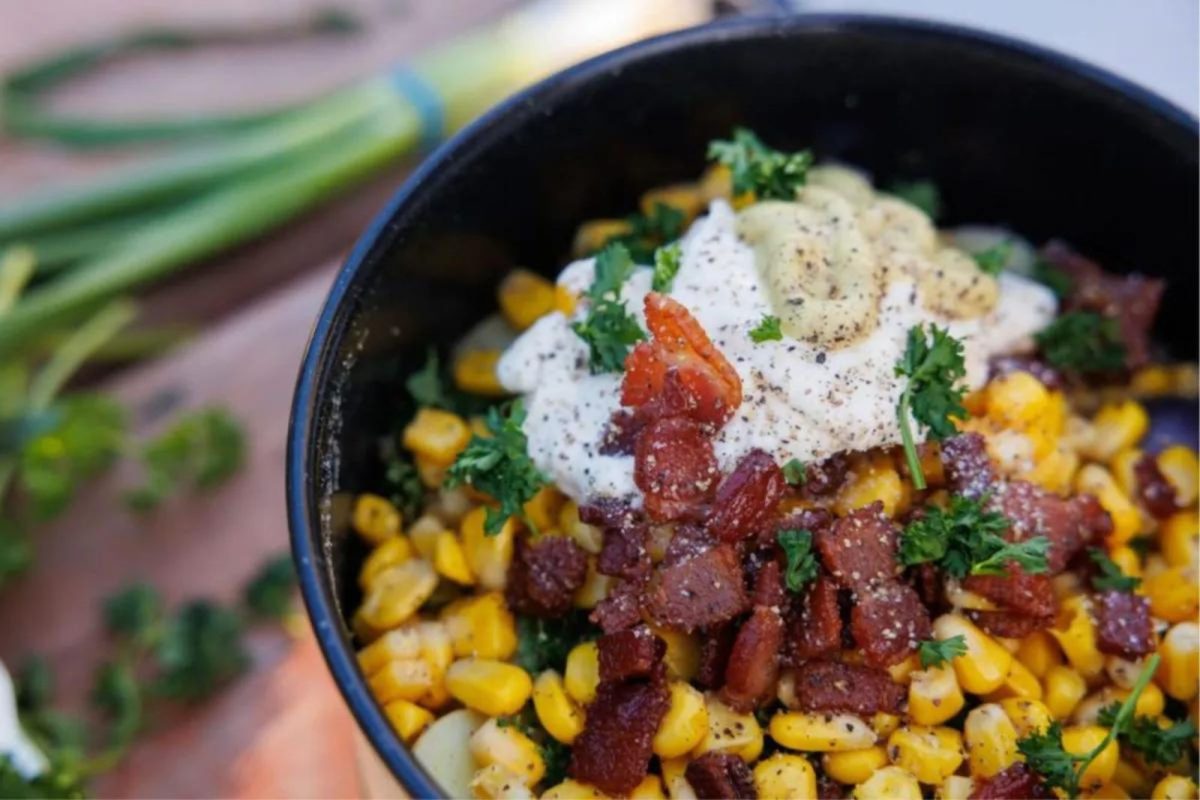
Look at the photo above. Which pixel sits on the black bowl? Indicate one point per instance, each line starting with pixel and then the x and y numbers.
pixel 1011 133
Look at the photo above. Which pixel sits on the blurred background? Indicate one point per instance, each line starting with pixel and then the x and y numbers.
pixel 178 182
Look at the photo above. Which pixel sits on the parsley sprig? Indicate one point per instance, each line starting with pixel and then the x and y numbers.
pixel 1045 754
pixel 1083 341
pixel 609 329
pixel 769 174
pixel 499 466
pixel 1109 576
pixel 923 194
pixel 1155 743
pixel 995 258
pixel 646 232
pixel 965 538
pixel 801 569
pixel 795 472
pixel 933 652
pixel 767 330
pixel 933 367
pixel 666 266
pixel 202 449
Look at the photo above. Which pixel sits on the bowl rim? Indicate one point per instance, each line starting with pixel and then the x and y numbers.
pixel 303 521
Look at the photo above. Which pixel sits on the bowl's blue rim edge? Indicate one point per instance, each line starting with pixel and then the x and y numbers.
pixel 321 610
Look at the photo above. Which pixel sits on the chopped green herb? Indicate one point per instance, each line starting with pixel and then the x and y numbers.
pixel 923 194
pixel 1083 341
pixel 1028 554
pixel 201 649
pixel 933 368
pixel 770 174
pixel 795 472
pixel 555 755
pixel 426 386
pixel 965 539
pixel 135 612
pixel 609 329
pixel 1051 277
pixel 59 781
pixel 544 643
pixel 402 484
pixel 269 593
pixel 117 694
pixel 767 330
pixel 995 258
pixel 1156 744
pixel 16 551
pixel 203 449
pixel 933 652
pixel 1109 576
pixel 648 232
pixel 666 266
pixel 801 561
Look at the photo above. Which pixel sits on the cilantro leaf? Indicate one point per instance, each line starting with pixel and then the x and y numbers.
pixel 1083 341
pixel 965 539
pixel 200 650
pixel 770 174
pixel 767 330
pixel 499 466
pixel 609 329
pixel 1110 576
pixel 795 472
pixel 995 258
pixel 1028 554
pixel 801 561
pixel 933 652
pixel 203 449
pixel 1156 744
pixel 426 386
pixel 923 194
pixel 269 593
pixel 666 267
pixel 933 368
pixel 646 232
pixel 135 612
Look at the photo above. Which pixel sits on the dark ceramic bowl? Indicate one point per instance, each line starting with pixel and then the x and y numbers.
pixel 1011 133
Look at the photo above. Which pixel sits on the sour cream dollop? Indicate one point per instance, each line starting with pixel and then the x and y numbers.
pixel 801 398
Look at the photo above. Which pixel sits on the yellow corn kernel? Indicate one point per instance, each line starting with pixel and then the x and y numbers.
pixel 883 724
pixel 854 766
pixel 451 505
pixel 397 592
pixel 730 732
pixel 487 556
pixel 932 754
pixel 437 435
pixel 682 658
pixel 876 481
pixel 1177 537
pixel 1054 471
pixel 571 789
pixel 902 671
pixel 956 787
pixel 498 782
pixel 589 537
pixel 1020 682
pixel 401 680
pixel 407 719
pixel 450 561
pixel 1152 381
pixel 401 644
pixel 934 695
pixel 423 535
pixel 687 198
pixel 684 725
pixel 1115 427
pixel 1080 739
pixel 392 551
pixel 1180 650
pixel 1132 779
pixel 543 508
pixel 565 300
pixel 593 234
pixel 557 712
pixel 1150 703
pixel 481 626
pixel 893 783
pixel 1180 466
pixel 1064 688
pixel 991 740
pixel 821 733
pixel 1174 594
pixel 1016 400
pixel 1174 787
pixel 582 673
pixel 984 666
pixel 374 518
pixel 1128 560
pixel 1076 635
pixel 491 687
pixel 363 631
pixel 1126 518
pixel 1039 652
pixel 1154 564
pixel 650 788
pixel 505 745
pixel 673 775
pixel 1027 716
pixel 1109 791
pixel 785 775
pixel 475 372
pixel 524 297
pixel 431 473
pixel 594 588
pixel 1123 472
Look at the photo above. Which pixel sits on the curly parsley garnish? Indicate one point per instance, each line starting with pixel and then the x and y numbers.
pixel 1156 744
pixel 645 232
pixel 500 467
pixel 801 561
pixel 965 539
pixel 922 194
pixel 1051 277
pixel 609 329
pixel 770 174
pixel 933 652
pixel 767 330
pixel 666 266
pixel 1109 576
pixel 795 472
pixel 995 258
pixel 932 367
pixel 1083 341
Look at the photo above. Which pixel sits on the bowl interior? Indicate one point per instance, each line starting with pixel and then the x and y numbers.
pixel 1011 134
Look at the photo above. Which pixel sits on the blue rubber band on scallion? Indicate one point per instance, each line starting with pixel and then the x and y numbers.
pixel 430 109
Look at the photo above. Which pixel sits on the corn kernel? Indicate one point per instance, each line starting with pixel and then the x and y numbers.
pixel 984 666
pixel 821 733
pixel 1174 787
pixel 491 687
pixel 1128 560
pixel 1109 791
pixel 1174 594
pixel 730 732
pixel 1123 466
pixel 1149 704
pixel 934 695
pixel 1020 682
pixel 437 435
pixel 1055 471
pixel 1180 649
pixel 687 198
pixel 397 592
pixel 1095 480
pixel 1132 779
pixel 481 626
pixel 589 537
pixel 594 588
pixel 557 712
pixel 956 787
pixel 401 680
pixel 991 740
pixel 1039 652
pixel 673 775
pixel 475 372
pixel 901 672
pixel 884 724
pixel 423 535
pixel 374 518
pixel 1180 466
pixel 1027 716
pixel 876 481
pixel 1080 739
pixel 488 557
pixel 582 673
pixel 1016 400
pixel 505 745
pixel 854 766
pixel 542 510
pixel 524 297
pixel 431 473
pixel 931 754
pixel 1177 537
pixel 1065 687
pixel 1152 381
pixel 684 725
pixel 450 561
pixel 893 783
pixel 571 789
pixel 565 300
pixel 1076 635
pixel 1115 427
pixel 498 782
pixel 389 553
pixel 407 719
pixel 716 183
pixel 650 788
pixel 785 775
pixel 401 644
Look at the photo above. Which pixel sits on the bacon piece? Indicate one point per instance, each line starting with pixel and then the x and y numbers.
pixel 1155 492
pixel 1017 591
pixel 614 749
pixel 889 622
pixel 619 608
pixel 620 437
pixel 817 629
pixel 859 549
pixel 753 666
pixel 1123 625
pixel 828 788
pixel 1008 624
pixel 768 584
pixel 687 542
pixel 675 468
pixel 807 519
pixel 715 645
pixel 720 776
pixel 543 576
pixel 631 653
pixel 1048 376
pixel 747 498
pixel 968 469
pixel 1069 525
pixel 623 554
pixel 699 592
pixel 1016 782
pixel 927 580
pixel 831 686
pixel 825 477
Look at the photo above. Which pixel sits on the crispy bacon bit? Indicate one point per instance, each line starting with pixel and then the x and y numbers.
pixel 623 554
pixel 1048 376
pixel 720 776
pixel 699 592
pixel 688 541
pixel 817 629
pixel 968 469
pixel 860 549
pixel 544 575
pixel 1017 782
pixel 631 653
pixel 1155 492
pixel 747 498
pixel 1009 625
pixel 768 585
pixel 831 686
pixel 675 468
pixel 1017 591
pixel 828 788
pixel 927 580
pixel 889 622
pixel 613 752
pixel 679 346
pixel 620 437
pixel 1068 524
pixel 715 646
pixel 619 608
pixel 826 477
pixel 1123 625
pixel 753 666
